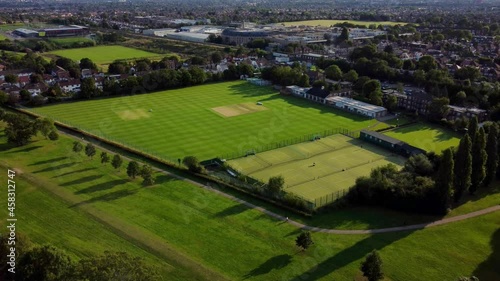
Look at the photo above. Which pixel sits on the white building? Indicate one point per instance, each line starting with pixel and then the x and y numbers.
pixel 297 91
pixel 188 36
pixel 158 32
pixel 357 107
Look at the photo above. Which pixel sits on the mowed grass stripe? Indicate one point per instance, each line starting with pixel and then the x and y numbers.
pixel 104 54
pixel 182 122
pixel 429 137
pixel 246 244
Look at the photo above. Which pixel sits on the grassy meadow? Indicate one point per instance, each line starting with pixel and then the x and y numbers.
pixel 82 206
pixel 104 55
pixel 426 136
pixel 177 123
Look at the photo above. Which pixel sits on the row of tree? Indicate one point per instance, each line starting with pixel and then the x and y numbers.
pixel 430 184
pixel 133 168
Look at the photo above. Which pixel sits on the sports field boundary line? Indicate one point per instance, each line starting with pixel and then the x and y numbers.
pixel 312 228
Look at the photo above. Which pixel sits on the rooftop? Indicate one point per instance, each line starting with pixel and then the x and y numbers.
pixel 357 104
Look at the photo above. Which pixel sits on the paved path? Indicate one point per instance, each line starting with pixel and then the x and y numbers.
pixel 318 229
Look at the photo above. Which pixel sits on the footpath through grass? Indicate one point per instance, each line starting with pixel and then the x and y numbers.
pixel 178 123
pixel 226 237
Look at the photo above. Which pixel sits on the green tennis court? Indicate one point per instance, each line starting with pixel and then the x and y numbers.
pixel 321 168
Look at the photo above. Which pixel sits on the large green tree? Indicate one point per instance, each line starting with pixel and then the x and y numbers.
pixel 88 88
pixel 90 150
pixel 77 146
pixel 463 168
pixel 276 184
pixel 117 161
pixel 373 91
pixel 20 128
pixel 372 267
pixel 147 174
pixel 444 182
pixel 333 72
pixel 473 127
pixel 104 157
pixel 133 169
pixel 492 152
pixel 45 263
pixel 192 163
pixel 115 266
pixel 479 158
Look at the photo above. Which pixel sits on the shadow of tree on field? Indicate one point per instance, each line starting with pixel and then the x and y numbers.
pixel 106 197
pixel 102 186
pixel 490 269
pixel 27 149
pixel 351 254
pixel 74 172
pixel 82 180
pixel 55 168
pixel 276 262
pixel 48 161
pixel 161 179
pixel 231 211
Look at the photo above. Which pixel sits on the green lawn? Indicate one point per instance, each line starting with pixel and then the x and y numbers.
pixel 426 136
pixel 183 122
pixel 70 41
pixel 333 22
pixel 338 161
pixel 225 237
pixel 104 55
pixel 2 37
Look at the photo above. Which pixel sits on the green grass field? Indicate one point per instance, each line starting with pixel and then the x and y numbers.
pixel 80 205
pixel 338 162
pixel 184 123
pixel 333 22
pixel 104 55
pixel 426 136
pixel 2 37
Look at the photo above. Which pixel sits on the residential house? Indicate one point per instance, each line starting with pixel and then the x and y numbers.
pixel 457 112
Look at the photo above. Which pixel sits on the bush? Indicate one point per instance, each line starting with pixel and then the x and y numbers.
pixel 53 135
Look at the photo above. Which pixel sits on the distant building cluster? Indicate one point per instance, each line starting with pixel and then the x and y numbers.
pixel 64 31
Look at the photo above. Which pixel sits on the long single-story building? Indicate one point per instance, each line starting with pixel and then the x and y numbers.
pixel 356 106
pixel 392 144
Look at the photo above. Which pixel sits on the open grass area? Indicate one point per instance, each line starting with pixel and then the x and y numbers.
pixel 333 22
pixel 181 122
pixel 223 236
pixel 319 171
pixel 426 136
pixel 104 55
pixel 2 37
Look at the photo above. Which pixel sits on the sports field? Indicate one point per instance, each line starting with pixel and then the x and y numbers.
pixel 104 55
pixel 333 22
pixel 426 136
pixel 178 123
pixel 84 207
pixel 317 168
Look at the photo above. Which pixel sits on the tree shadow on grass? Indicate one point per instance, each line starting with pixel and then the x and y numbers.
pixel 82 180
pixel 102 186
pixel 55 168
pixel 48 161
pixel 276 262
pixel 27 149
pixel 351 254
pixel 106 197
pixel 231 211
pixel 490 269
pixel 6 146
pixel 74 172
pixel 161 179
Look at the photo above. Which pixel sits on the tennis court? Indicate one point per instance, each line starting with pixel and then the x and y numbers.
pixel 317 168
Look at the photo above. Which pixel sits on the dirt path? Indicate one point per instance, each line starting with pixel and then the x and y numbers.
pixel 318 229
